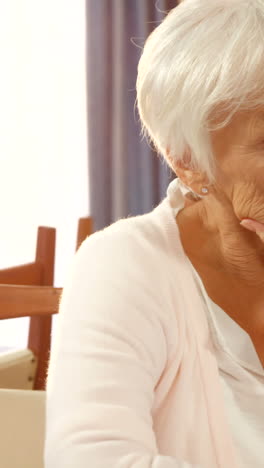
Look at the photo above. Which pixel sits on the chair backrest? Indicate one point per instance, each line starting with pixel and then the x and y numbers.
pixel 22 428
pixel 18 302
pixel 27 290
pixel 38 302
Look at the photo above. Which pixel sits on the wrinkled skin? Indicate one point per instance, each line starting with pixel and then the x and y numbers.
pixel 237 194
pixel 227 254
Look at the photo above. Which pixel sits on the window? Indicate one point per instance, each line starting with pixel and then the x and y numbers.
pixel 43 137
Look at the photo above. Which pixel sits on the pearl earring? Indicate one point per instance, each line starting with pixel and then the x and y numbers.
pixel 204 190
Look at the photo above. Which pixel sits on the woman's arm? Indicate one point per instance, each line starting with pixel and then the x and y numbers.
pixel 109 353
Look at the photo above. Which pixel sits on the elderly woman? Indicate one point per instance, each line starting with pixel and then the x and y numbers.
pixel 158 360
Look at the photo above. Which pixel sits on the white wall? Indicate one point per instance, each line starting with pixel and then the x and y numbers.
pixel 43 138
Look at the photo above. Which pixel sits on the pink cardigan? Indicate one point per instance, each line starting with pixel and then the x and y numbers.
pixel 133 381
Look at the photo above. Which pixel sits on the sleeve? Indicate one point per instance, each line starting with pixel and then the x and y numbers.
pixel 108 354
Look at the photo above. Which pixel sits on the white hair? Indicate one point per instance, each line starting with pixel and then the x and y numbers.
pixel 201 65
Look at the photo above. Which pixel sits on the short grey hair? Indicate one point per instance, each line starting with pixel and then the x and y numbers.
pixel 201 65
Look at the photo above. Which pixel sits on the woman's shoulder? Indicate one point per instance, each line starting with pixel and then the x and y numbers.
pixel 132 255
pixel 149 237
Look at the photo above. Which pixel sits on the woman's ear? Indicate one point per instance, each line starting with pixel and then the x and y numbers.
pixel 185 174
pixel 184 161
pixel 195 180
pixel 182 167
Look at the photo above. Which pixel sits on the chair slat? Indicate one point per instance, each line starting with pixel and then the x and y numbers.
pixel 28 301
pixel 29 274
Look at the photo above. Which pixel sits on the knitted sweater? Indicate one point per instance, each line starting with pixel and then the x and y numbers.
pixel 133 380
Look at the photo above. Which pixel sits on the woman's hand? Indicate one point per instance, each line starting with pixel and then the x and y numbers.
pixel 254 226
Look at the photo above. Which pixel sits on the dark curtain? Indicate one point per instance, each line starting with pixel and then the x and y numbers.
pixel 126 176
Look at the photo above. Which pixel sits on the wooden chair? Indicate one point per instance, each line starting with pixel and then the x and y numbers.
pixel 27 290
pixel 85 229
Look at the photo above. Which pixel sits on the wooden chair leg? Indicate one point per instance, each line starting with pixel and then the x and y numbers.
pixel 39 343
pixel 39 338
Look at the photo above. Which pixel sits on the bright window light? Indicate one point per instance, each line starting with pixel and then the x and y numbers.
pixel 43 134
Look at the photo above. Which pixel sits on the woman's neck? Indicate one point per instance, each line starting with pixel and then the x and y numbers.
pixel 230 262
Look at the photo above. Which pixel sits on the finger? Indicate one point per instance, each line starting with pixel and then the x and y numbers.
pixel 254 226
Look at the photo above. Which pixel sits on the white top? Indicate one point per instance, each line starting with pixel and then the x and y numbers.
pixel 242 377
pixel 133 379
